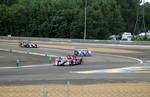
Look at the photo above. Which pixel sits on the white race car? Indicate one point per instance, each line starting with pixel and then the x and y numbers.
pixel 68 60
pixel 82 52
pixel 28 45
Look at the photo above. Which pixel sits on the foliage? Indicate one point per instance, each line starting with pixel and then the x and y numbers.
pixel 142 38
pixel 65 18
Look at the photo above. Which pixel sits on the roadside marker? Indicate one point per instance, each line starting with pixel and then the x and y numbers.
pixel 68 88
pixel 46 54
pixel 45 91
pixel 28 51
pixel 10 50
pixel 49 59
pixel 18 65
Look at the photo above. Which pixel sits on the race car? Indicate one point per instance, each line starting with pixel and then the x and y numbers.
pixel 28 45
pixel 68 60
pixel 82 52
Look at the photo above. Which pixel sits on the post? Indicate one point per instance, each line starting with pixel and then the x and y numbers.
pixel 10 50
pixel 28 51
pixel 46 54
pixel 18 65
pixel 68 89
pixel 45 92
pixel 49 59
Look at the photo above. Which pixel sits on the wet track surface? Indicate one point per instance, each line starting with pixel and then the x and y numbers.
pixel 60 74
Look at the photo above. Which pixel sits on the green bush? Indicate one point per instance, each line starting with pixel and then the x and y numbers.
pixel 142 38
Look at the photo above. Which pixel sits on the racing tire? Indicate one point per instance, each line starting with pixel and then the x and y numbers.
pixel 81 61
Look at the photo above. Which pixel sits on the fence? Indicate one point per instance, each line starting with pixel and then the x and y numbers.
pixel 69 90
pixel 77 40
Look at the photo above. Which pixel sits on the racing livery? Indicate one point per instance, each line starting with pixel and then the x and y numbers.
pixel 28 45
pixel 82 52
pixel 68 60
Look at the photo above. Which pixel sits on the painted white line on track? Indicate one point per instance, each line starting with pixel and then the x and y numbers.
pixel 138 69
pixel 28 66
pixel 139 60
pixel 133 69
pixel 4 49
pixel 148 61
pixel 8 67
pixel 42 65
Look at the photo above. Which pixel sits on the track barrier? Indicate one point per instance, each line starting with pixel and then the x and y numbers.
pixel 76 40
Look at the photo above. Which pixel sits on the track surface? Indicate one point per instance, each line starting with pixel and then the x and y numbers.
pixel 99 61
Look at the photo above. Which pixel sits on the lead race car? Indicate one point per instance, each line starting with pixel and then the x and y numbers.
pixel 82 52
pixel 28 45
pixel 68 60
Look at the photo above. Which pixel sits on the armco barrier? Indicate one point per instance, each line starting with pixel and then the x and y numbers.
pixel 77 40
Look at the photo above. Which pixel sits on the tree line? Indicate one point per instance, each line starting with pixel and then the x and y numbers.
pixel 65 18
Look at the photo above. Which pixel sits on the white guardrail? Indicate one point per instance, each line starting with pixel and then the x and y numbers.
pixel 77 40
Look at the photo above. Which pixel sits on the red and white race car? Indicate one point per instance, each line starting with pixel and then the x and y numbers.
pixel 68 60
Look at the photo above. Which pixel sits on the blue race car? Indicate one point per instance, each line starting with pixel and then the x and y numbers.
pixel 82 52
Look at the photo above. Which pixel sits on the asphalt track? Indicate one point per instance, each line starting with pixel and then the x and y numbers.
pixel 102 67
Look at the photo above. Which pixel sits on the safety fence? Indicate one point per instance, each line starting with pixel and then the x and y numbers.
pixel 77 40
pixel 70 90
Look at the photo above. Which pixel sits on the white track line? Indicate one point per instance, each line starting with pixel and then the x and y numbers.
pixel 148 61
pixel 28 66
pixel 38 65
pixel 138 69
pixel 115 70
pixel 139 60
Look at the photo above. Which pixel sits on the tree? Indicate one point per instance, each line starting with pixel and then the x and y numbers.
pixel 65 18
pixel 147 15
pixel 128 12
